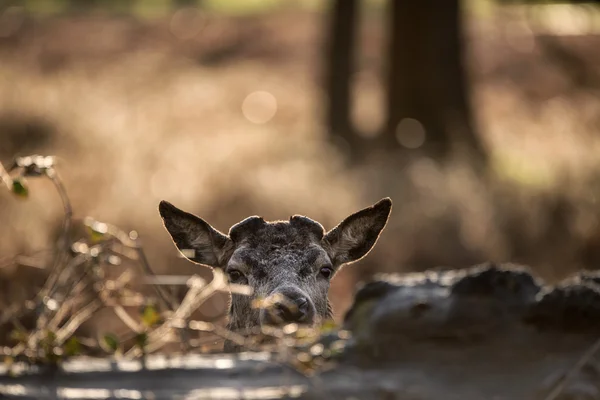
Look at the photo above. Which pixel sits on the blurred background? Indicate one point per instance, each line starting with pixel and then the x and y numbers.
pixel 479 118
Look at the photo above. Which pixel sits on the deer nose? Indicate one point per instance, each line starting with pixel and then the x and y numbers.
pixel 291 311
pixel 302 304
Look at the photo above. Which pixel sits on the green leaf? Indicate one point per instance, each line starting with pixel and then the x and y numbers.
pixel 141 340
pixel 111 341
pixel 9 362
pixel 47 344
pixel 95 236
pixel 150 316
pixel 72 347
pixel 18 335
pixel 96 229
pixel 50 339
pixel 19 188
pixel 328 326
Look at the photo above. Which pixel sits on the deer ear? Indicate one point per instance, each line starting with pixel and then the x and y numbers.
pixel 195 238
pixel 355 236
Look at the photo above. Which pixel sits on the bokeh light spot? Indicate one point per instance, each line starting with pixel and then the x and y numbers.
pixel 259 107
pixel 410 133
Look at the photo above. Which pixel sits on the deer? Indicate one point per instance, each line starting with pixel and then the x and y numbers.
pixel 288 265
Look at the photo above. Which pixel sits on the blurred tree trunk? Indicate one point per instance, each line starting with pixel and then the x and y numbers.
pixel 426 76
pixel 340 60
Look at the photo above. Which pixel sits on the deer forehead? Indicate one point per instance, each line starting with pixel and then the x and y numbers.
pixel 278 246
pixel 263 254
pixel 299 233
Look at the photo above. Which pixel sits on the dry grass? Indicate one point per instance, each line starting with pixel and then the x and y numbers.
pixel 46 328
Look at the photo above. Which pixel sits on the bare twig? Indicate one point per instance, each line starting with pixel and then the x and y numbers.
pixel 63 243
pixel 67 306
pixel 132 240
pixel 168 302
pixel 195 297
pixel 76 320
pixel 5 177
pixel 127 319
pixel 77 282
pixel 585 358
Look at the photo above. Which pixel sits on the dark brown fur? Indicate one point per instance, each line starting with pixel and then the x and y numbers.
pixel 287 258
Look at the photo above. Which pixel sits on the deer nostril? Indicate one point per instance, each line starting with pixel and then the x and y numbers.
pixel 282 313
pixel 293 312
pixel 302 304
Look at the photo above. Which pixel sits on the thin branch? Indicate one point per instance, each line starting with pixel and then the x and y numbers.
pixel 11 260
pixel 76 320
pixel 73 280
pixel 127 319
pixel 67 306
pixel 574 371
pixel 63 243
pixel 5 177
pixel 168 302
pixel 194 298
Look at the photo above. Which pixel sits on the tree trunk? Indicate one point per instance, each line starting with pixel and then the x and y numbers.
pixel 426 79
pixel 340 60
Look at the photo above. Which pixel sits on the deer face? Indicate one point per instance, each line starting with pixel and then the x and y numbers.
pixel 288 264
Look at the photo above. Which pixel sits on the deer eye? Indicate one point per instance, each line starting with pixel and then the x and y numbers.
pixel 326 272
pixel 234 275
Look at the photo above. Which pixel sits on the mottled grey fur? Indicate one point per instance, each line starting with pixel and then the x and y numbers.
pixel 287 259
